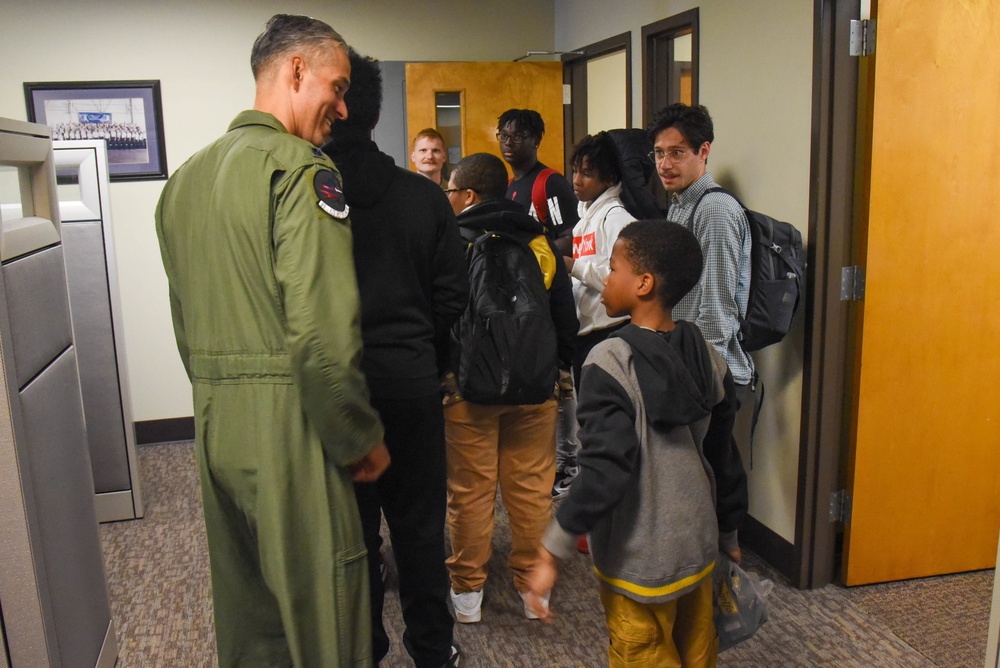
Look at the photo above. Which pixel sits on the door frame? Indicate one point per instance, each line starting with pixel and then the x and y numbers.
pixel 829 337
pixel 575 76
pixel 651 35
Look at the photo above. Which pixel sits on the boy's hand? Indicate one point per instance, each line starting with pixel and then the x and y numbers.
pixel 736 555
pixel 541 579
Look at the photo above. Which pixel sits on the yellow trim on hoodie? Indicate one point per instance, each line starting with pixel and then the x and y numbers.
pixel 656 592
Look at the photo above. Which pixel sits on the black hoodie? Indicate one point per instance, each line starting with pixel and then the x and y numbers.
pixel 410 262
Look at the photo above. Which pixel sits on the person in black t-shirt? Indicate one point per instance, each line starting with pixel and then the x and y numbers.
pixel 519 132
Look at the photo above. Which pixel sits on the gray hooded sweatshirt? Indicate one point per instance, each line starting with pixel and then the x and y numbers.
pixel 659 472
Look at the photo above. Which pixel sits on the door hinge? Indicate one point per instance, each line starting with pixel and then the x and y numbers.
pixel 862 37
pixel 852 284
pixel 840 506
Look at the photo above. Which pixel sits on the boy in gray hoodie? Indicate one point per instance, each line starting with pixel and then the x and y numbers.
pixel 661 486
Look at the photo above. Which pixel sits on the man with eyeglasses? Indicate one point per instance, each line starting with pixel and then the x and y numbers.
pixel 682 139
pixel 519 132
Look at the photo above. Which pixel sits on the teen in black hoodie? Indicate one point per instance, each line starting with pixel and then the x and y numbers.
pixel 410 263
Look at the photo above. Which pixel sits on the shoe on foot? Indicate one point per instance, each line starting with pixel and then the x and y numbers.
pixel 455 660
pixel 528 612
pixel 564 478
pixel 468 606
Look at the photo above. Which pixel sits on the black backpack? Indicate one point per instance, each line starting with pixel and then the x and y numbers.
pixel 633 148
pixel 777 277
pixel 506 338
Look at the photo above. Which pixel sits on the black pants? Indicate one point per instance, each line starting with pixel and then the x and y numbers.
pixel 412 494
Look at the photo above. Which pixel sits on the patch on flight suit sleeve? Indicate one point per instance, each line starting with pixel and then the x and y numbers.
pixel 331 197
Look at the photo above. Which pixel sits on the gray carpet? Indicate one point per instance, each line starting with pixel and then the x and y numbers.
pixel 160 594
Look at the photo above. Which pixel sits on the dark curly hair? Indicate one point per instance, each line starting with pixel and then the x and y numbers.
pixel 364 97
pixel 669 252
pixel 527 121
pixel 601 155
pixel 694 123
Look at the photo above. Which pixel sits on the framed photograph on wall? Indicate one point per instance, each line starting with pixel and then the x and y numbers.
pixel 127 115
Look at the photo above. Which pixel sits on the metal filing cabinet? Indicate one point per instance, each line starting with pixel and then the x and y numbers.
pixel 53 592
pixel 91 270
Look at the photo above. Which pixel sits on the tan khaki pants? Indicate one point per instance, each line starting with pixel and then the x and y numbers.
pixel 515 447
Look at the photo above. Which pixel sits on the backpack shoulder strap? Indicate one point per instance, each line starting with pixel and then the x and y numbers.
pixel 715 189
pixel 538 199
pixel 470 234
pixel 546 258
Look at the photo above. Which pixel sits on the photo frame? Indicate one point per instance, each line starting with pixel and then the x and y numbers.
pixel 128 115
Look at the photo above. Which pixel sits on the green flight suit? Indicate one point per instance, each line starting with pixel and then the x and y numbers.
pixel 265 308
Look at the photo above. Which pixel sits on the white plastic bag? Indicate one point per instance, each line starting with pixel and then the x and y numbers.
pixel 738 602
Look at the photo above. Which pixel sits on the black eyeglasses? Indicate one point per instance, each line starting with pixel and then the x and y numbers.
pixel 449 191
pixel 513 139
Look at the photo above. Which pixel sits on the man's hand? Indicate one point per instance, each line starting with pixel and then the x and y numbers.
pixel 372 465
pixel 541 579
pixel 569 262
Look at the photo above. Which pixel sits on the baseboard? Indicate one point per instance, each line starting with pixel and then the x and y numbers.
pixel 769 546
pixel 164 431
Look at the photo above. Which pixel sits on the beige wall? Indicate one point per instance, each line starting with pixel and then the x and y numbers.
pixel 755 73
pixel 200 52
pixel 606 86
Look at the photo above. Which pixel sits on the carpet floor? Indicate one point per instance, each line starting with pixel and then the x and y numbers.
pixel 161 603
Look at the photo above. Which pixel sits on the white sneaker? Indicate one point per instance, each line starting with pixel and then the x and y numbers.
pixel 528 612
pixel 468 606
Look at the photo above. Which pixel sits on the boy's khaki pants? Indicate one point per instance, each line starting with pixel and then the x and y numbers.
pixel 676 633
pixel 512 445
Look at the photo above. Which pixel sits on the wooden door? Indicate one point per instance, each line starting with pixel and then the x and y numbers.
pixel 486 91
pixel 924 468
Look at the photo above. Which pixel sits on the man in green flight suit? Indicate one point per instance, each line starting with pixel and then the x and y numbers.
pixel 256 244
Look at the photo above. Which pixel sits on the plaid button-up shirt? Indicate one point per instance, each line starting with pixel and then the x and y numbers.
pixel 720 297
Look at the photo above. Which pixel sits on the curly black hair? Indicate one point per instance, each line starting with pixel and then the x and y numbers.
pixel 364 97
pixel 694 123
pixel 669 252
pixel 601 155
pixel 527 121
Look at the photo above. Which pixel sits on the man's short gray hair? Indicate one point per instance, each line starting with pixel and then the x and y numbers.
pixel 288 32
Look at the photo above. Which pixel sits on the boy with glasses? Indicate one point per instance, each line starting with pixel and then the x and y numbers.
pixel 546 196
pixel 500 444
pixel 519 132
